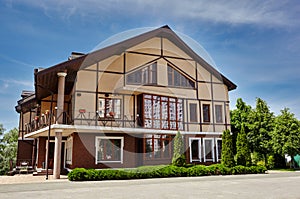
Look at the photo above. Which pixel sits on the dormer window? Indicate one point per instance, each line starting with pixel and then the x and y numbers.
pixel 176 79
pixel 143 76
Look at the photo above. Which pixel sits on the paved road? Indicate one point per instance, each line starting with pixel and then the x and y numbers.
pixel 275 185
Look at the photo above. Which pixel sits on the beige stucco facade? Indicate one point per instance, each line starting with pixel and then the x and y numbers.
pixel 135 90
pixel 107 76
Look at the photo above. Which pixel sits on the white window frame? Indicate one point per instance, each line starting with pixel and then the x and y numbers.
pixel 196 113
pixel 107 138
pixel 199 150
pixel 222 114
pixel 69 150
pixel 217 152
pixel 212 150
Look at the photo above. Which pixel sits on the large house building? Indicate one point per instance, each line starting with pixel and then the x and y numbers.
pixel 122 105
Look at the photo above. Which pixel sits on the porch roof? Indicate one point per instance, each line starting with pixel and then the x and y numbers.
pixel 69 129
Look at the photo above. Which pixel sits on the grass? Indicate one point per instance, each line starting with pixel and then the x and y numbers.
pixel 283 169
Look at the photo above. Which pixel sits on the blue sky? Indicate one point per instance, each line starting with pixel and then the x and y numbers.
pixel 255 43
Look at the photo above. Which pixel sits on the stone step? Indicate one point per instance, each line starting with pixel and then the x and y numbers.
pixel 43 172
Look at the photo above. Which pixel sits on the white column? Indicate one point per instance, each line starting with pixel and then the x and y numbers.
pixel 59 117
pixel 57 154
pixel 60 96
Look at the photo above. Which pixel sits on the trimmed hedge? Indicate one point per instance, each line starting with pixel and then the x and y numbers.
pixel 162 171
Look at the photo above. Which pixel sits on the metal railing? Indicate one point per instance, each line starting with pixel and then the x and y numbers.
pixel 83 117
pixel 42 121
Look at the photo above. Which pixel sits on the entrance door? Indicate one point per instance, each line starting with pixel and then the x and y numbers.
pixel 51 155
pixel 139 150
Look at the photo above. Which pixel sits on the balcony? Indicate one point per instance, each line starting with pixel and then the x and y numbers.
pixel 82 117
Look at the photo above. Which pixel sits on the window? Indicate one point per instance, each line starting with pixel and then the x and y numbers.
pixel 219 148
pixel 206 112
pixel 195 149
pixel 158 146
pixel 69 148
pixel 208 144
pixel 109 107
pixel 143 76
pixel 160 112
pixel 218 110
pixel 193 112
pixel 176 79
pixel 109 149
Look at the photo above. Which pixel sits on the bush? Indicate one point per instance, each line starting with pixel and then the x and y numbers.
pixel 239 169
pixel 219 169
pixel 172 171
pixel 178 158
pixel 243 155
pixel 227 149
pixel 161 171
pixel 198 170
pixel 79 174
pixel 248 170
pixel 271 162
pixel 261 169
pixel 261 163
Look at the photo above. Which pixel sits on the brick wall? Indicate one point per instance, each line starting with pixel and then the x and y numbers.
pixel 84 152
pixel 25 149
pixel 41 151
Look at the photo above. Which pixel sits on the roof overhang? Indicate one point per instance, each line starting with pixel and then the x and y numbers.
pixel 46 80
pixel 26 104
pixel 147 89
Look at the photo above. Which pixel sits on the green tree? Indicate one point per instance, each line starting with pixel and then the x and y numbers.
pixel 227 149
pixel 243 155
pixel 8 150
pixel 261 124
pixel 1 129
pixel 1 146
pixel 178 154
pixel 285 136
pixel 239 116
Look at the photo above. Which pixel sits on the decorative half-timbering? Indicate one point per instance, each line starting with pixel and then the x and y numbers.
pixel 122 105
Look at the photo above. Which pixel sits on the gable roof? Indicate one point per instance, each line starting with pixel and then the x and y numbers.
pixel 47 78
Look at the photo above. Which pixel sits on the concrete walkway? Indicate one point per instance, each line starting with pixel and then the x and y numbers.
pixel 29 178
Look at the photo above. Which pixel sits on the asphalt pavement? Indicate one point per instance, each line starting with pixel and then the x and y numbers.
pixel 273 185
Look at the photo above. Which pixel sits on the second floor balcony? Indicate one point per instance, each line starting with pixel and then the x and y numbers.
pixel 85 118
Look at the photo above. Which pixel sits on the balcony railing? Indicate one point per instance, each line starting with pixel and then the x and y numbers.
pixel 82 117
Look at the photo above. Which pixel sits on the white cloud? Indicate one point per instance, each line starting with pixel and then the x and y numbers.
pixel 8 83
pixel 15 61
pixel 269 12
